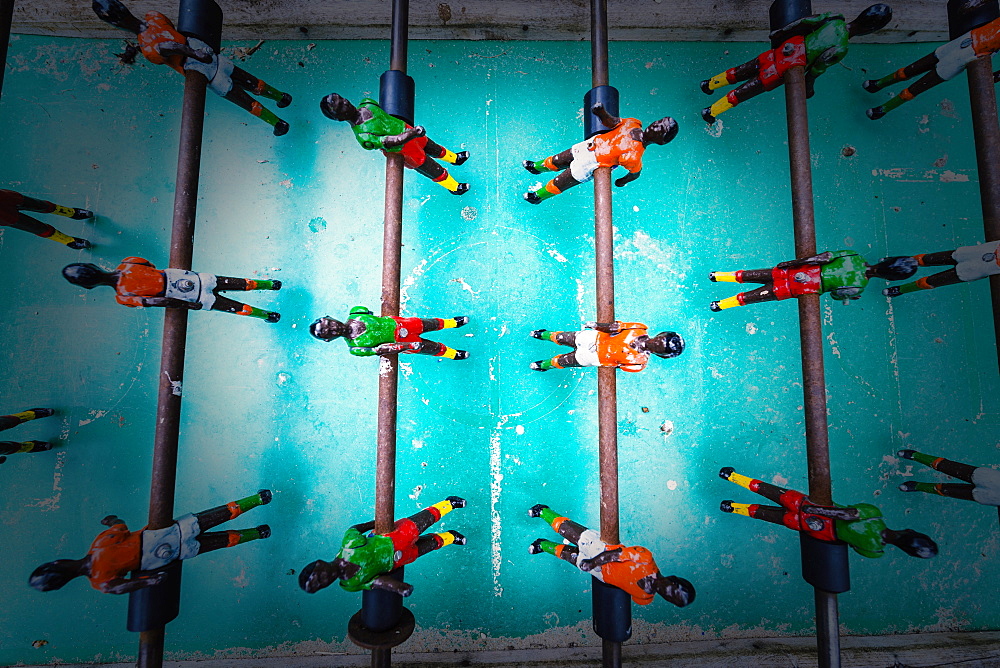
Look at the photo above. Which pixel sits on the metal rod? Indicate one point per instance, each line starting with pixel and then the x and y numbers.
pixel 388 382
pixel 986 131
pixel 168 409
pixel 6 18
pixel 599 42
pixel 382 658
pixel 607 404
pixel 611 654
pixel 399 37
pixel 811 340
pixel 827 628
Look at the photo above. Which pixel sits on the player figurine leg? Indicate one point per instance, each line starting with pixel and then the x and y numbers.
pixel 11 421
pixel 982 484
pixel 631 569
pixel 244 84
pixel 765 293
pixel 559 361
pixel 13 203
pixel 970 264
pixel 213 517
pixel 225 283
pixel 366 558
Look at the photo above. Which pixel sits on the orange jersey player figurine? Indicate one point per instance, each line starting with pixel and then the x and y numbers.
pixel 622 145
pixel 116 551
pixel 162 44
pixel 138 283
pixel 626 345
pixel 631 569
pixel 944 63
pixel 13 203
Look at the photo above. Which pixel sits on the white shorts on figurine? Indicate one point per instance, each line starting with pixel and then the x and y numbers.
pixel 954 56
pixel 586 348
pixel 190 286
pixel 975 262
pixel 591 545
pixel 987 482
pixel 219 72
pixel 584 161
pixel 177 541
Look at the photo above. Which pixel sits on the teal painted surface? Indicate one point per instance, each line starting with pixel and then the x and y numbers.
pixel 268 406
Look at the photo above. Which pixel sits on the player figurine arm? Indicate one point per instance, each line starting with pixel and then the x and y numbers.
pixel 127 586
pixel 803 26
pixel 321 574
pixel 392 141
pixel 167 49
pixel 606 557
pixel 392 585
pixel 395 348
pixel 628 178
pixel 820 259
pixel 607 120
pixel 611 328
pixel 845 514
pixel 169 302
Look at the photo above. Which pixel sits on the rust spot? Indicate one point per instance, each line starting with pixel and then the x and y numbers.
pixel 848 151
pixel 444 12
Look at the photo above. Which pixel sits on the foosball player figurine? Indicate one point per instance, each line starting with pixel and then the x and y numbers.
pixel 368 334
pixel 843 274
pixel 622 145
pixel 138 283
pixel 11 421
pixel 631 569
pixel 970 264
pixel 626 345
pixel 162 44
pixel 944 63
pixel 859 525
pixel 815 42
pixel 116 551
pixel 365 557
pixel 982 484
pixel 13 203
pixel 374 128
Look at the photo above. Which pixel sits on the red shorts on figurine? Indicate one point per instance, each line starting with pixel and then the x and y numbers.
pixel 413 151
pixel 9 203
pixel 404 535
pixel 795 281
pixel 774 63
pixel 408 330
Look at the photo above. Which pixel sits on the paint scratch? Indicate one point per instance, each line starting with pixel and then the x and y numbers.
pixel 496 478
pixel 52 502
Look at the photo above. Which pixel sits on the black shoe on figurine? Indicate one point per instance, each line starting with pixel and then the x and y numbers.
pixel 536 510
pixel 456 501
pixel 275 285
pixel 273 317
pixel 40 446
pixel 461 320
pixel 533 198
pixel 265 496
pixel 871 85
pixel 280 128
pixel 82 214
pixel 459 538
pixel 530 166
pixel 461 157
pixel 706 114
pixel 875 113
pixel 285 100
pixel 536 547
pixel 461 354
pixel 711 276
pixel 714 306
pixel 538 333
pixel 726 506
pixel 726 471
pixel 705 87
pixel 264 530
pixel 537 366
pixel 905 454
pixel 79 244
pixel 461 189
pixel 891 291
pixel 908 486
pixel 42 412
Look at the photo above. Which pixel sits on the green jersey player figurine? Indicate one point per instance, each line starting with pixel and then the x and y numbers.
pixel 368 334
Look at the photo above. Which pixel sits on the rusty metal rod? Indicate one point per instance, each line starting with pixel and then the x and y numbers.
pixel 598 43
pixel 986 131
pixel 611 653
pixel 6 18
pixel 388 382
pixel 607 404
pixel 168 409
pixel 811 340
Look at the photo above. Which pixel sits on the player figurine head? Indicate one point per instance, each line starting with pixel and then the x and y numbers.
pixel 327 329
pixel 870 20
pixel 895 268
pixel 55 574
pixel 88 275
pixel 660 132
pixel 338 108
pixel 664 344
